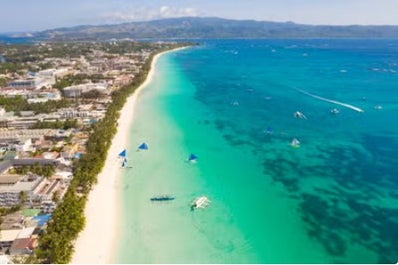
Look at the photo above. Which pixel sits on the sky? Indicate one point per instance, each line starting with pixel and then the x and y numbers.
pixel 36 15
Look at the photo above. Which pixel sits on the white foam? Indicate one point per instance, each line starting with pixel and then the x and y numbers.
pixel 330 100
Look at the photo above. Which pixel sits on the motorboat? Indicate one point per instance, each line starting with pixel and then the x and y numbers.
pixel 200 202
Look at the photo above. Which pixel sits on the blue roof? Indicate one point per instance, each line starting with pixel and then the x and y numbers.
pixel 42 219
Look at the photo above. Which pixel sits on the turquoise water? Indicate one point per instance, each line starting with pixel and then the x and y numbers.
pixel 332 200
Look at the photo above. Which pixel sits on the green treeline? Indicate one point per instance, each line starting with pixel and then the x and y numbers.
pixel 56 244
pixel 41 170
pixel 65 125
pixel 18 104
pixel 71 80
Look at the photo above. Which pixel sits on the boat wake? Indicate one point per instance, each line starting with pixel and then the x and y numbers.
pixel 330 100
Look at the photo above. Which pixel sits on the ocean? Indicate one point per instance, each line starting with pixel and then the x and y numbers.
pixel 331 199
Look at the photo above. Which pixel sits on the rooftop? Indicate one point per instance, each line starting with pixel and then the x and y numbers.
pixel 34 133
pixel 9 235
pixel 26 184
pixel 9 179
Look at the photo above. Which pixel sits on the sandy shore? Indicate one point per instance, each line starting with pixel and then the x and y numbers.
pixel 97 242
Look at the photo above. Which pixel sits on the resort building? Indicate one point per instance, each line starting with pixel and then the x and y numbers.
pixel 78 90
pixel 18 241
pixel 28 84
pixel 11 187
pixel 23 135
pixel 7 237
pixel 23 246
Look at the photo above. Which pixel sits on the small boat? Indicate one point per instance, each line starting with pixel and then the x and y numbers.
pixel 295 143
pixel 123 153
pixel 269 130
pixel 201 202
pixel 162 198
pixel 235 103
pixel 334 111
pixel 124 163
pixel 378 107
pixel 192 158
pixel 299 115
pixel 143 146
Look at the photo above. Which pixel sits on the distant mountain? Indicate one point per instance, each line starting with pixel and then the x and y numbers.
pixel 210 27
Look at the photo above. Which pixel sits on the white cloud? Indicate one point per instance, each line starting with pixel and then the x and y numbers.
pixel 167 11
pixel 140 14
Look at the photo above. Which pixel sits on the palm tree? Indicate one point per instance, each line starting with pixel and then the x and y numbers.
pixel 23 197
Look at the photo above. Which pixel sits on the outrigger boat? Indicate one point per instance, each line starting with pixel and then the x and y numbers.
pixel 201 202
pixel 162 198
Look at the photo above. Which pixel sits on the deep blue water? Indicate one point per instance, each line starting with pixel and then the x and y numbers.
pixel 344 176
pixel 5 39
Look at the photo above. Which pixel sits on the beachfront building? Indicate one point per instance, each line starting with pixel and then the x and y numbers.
pixel 33 96
pixel 44 96
pixel 24 145
pixel 44 192
pixel 7 237
pixel 21 123
pixel 11 187
pixel 78 90
pixel 71 113
pixel 11 136
pixel 122 80
pixel 18 241
pixel 26 84
pixel 23 246
pixel 36 188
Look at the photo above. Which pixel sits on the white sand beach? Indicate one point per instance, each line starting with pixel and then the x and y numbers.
pixel 97 242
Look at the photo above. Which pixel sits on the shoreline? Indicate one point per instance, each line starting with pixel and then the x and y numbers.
pixel 103 208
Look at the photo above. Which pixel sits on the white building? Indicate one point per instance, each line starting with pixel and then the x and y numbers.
pixel 78 90
pixel 24 145
pixel 11 187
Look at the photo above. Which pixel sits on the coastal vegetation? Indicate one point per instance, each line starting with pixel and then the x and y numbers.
pixel 56 244
pixel 42 170
pixel 65 125
pixel 78 79
pixel 18 104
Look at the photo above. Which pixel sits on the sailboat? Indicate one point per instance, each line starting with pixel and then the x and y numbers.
pixel 192 158
pixel 269 130
pixel 295 143
pixel 143 146
pixel 123 153
pixel 124 163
